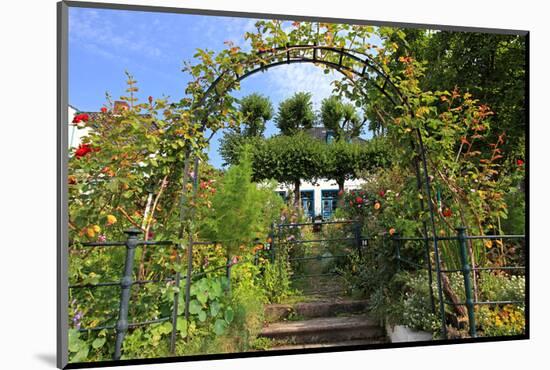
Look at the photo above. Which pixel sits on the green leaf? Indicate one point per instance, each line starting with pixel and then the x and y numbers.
pixel 98 342
pixel 75 343
pixel 181 325
pixel 202 316
pixel 220 326
pixel 229 314
pixel 194 307
pixel 81 355
pixel 214 308
pixel 215 289
pixel 202 296
pixel 165 328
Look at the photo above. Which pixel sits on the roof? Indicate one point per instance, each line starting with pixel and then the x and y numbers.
pixel 320 132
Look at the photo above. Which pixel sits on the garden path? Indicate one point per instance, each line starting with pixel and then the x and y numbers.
pixel 323 315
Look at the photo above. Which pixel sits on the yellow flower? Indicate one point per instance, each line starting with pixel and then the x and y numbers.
pixel 96 228
pixel 90 232
pixel 111 220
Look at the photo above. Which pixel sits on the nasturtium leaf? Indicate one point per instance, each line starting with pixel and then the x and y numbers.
pixel 219 326
pixel 165 328
pixel 202 316
pixel 194 307
pixel 214 308
pixel 229 314
pixel 98 342
pixel 202 296
pixel 181 325
pixel 75 343
pixel 215 289
pixel 82 355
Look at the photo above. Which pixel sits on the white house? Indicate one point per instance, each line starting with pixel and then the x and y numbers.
pixel 75 133
pixel 319 198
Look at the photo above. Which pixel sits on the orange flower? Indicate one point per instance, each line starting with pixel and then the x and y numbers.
pixel 377 205
pixel 111 220
pixel 392 231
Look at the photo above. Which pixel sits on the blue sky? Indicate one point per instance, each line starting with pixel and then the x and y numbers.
pixel 152 47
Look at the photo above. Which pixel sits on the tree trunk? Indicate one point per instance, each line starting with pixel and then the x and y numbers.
pixel 340 191
pixel 297 193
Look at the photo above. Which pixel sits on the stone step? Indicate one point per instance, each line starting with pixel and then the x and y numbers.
pixel 324 330
pixel 349 343
pixel 327 308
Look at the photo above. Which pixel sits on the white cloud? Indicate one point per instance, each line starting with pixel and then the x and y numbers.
pixel 99 34
pixel 289 79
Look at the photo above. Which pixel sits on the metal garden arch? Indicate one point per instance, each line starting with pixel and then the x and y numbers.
pixel 344 61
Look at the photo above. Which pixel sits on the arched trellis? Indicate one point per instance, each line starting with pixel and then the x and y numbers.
pixel 345 61
pixel 291 54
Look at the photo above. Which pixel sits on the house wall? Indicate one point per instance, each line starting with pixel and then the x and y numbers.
pixel 75 134
pixel 317 189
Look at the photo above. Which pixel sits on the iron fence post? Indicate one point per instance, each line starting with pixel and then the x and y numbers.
pixel 358 241
pixel 188 280
pixel 228 274
pixel 176 303
pixel 466 269
pixel 272 244
pixel 125 285
pixel 397 242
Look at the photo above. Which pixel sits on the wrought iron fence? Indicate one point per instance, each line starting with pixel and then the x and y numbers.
pixel 131 243
pixel 466 269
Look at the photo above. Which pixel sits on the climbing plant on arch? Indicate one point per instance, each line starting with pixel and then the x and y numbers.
pixel 425 127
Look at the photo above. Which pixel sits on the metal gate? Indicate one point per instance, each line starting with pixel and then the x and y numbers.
pixel 313 252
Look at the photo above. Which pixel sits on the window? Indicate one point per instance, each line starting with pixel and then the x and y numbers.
pixel 308 204
pixel 330 137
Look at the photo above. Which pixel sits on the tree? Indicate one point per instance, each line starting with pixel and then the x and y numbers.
pixel 289 159
pixel 257 110
pixel 232 144
pixel 241 210
pixel 491 67
pixel 295 113
pixel 341 118
pixel 345 161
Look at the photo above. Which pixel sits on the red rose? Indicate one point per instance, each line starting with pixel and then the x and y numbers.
pixel 203 185
pixel 520 162
pixel 103 110
pixel 358 200
pixel 82 150
pixel 447 212
pixel 150 100
pixel 340 193
pixel 83 117
pixel 382 193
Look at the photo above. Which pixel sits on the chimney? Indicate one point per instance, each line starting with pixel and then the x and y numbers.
pixel 120 106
